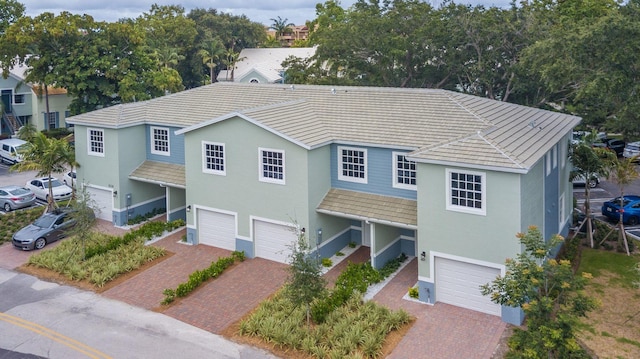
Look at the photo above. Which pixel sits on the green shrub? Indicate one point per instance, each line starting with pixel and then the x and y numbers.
pixel 352 244
pixel 327 262
pixel 339 254
pixel 414 293
pixel 200 276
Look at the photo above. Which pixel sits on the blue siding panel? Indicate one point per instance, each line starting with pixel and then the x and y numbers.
pixel 379 174
pixel 121 218
pixel 551 196
pixel 392 252
pixel 408 247
pixel 246 246
pixel 176 146
pixel 179 214
pixel 336 244
pixel 192 234
pixel 512 315
pixel 426 292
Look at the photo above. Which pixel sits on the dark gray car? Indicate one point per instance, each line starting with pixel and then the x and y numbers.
pixel 14 197
pixel 50 227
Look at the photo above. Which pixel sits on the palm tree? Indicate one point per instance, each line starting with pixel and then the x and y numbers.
pixel 231 59
pixel 69 154
pixel 281 26
pixel 168 57
pixel 27 132
pixel 588 162
pixel 623 173
pixel 45 155
pixel 211 53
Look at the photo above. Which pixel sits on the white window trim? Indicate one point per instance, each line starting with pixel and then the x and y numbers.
pixel 555 156
pixel 561 210
pixel 261 176
pixel 394 173
pixel 89 151
pixel 563 153
pixel 342 177
pixel 548 162
pixel 153 143
pixel 464 209
pixel 224 158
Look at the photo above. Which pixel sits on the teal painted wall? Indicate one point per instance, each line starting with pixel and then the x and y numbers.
pixel 489 238
pixel 532 205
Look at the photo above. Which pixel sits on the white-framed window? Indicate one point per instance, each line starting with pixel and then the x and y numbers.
pixel 18 99
pixel 271 165
pixel 160 141
pixel 352 164
pixel 50 119
pixel 95 142
pixel 466 191
pixel 213 158
pixel 404 171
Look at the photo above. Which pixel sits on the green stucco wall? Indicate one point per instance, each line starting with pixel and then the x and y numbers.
pixel 532 205
pixel 240 190
pixel 488 238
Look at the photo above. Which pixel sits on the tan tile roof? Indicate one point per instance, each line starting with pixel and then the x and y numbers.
pixel 166 174
pixel 441 126
pixel 372 207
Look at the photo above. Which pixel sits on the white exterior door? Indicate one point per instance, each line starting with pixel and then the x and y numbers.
pixel 272 241
pixel 102 201
pixel 216 229
pixel 458 283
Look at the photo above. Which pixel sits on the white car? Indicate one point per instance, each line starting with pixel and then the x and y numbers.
pixel 70 178
pixel 40 186
pixel 593 182
pixel 631 150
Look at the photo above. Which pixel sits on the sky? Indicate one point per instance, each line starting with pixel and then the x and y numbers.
pixel 262 11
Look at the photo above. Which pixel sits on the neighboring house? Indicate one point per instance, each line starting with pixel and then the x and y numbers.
pixel 264 65
pixel 24 102
pixel 446 177
pixel 297 32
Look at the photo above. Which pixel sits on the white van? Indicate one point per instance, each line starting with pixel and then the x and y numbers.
pixel 9 150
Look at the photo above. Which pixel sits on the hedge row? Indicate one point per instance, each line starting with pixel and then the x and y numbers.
pixel 200 276
pixel 147 231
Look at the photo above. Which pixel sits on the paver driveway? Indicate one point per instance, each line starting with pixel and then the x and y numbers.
pixel 441 331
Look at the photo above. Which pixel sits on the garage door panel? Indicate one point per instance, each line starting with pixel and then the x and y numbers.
pixel 458 283
pixel 273 241
pixel 217 229
pixel 102 202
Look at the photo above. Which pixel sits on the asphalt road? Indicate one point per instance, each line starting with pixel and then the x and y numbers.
pixel 42 319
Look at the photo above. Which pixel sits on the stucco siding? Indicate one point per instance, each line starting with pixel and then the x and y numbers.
pixel 379 173
pixel 490 238
pixel 532 205
pixel 240 190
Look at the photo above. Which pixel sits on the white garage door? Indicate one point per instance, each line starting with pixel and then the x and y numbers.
pixel 103 201
pixel 272 241
pixel 217 229
pixel 458 283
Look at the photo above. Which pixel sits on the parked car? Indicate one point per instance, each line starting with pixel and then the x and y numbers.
pixel 48 228
pixel 593 182
pixel 40 186
pixel 10 150
pixel 69 178
pixel 630 209
pixel 614 145
pixel 631 150
pixel 15 197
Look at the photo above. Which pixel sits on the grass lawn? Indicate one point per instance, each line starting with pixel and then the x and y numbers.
pixel 613 330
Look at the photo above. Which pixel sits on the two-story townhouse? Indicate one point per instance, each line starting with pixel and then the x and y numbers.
pixel 445 177
pixel 24 103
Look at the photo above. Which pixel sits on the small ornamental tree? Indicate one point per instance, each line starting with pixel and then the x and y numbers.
pixel 305 282
pixel 550 295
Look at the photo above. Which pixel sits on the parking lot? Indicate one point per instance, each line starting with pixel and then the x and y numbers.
pixel 605 191
pixel 17 178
